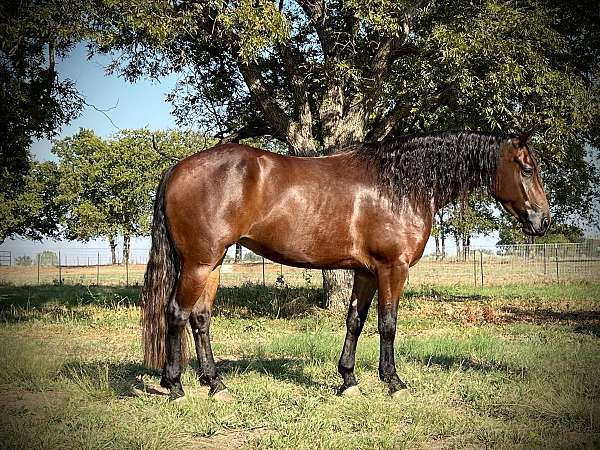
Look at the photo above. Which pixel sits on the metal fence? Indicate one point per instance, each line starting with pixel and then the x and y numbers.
pixel 510 264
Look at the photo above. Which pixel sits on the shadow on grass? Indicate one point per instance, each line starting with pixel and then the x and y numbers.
pixel 441 294
pixel 21 303
pixel 67 295
pixel 583 321
pixel 98 378
pixel 451 362
pixel 279 368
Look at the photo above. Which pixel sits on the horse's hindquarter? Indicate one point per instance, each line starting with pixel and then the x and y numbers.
pixel 307 212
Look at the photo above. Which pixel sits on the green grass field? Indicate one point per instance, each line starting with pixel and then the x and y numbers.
pixel 500 367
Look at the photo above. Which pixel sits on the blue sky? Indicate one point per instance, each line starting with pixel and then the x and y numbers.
pixel 136 105
pixel 132 105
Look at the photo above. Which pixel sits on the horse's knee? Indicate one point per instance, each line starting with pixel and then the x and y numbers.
pixel 387 327
pixel 177 317
pixel 353 324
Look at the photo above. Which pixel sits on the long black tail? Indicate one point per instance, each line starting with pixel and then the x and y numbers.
pixel 161 275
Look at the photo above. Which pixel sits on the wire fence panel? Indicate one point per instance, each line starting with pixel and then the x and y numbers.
pixel 509 264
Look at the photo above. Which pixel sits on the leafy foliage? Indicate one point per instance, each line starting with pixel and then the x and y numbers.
pixel 108 185
pixel 31 210
pixel 34 102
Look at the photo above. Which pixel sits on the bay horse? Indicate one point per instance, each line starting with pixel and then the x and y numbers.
pixel 368 208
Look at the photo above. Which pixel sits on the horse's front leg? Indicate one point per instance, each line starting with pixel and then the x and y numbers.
pixel 362 294
pixel 390 282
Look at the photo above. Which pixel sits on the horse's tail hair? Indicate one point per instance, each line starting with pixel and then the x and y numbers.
pixel 161 276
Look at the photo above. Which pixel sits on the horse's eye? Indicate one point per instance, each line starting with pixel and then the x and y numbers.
pixel 527 171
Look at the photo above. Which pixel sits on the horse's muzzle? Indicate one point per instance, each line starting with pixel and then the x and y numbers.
pixel 536 222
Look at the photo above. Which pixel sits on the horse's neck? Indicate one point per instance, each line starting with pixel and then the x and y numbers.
pixel 435 208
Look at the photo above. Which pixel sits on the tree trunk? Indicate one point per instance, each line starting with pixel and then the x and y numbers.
pixel 337 287
pixel 437 247
pixel 113 249
pixel 238 253
pixel 126 247
pixel 443 239
pixel 458 241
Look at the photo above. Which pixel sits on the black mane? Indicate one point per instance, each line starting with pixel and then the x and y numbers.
pixel 439 166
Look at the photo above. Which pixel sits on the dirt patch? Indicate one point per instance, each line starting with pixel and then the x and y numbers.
pixel 230 439
pixel 33 402
pixel 477 314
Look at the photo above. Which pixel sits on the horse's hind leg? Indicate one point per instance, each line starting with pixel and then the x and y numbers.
pixel 191 283
pixel 362 295
pixel 200 322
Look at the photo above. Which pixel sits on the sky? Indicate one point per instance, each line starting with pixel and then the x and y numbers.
pixel 129 105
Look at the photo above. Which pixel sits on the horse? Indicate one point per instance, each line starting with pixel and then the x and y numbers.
pixel 368 208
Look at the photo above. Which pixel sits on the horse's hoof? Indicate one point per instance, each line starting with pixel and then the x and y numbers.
pixel 400 394
pixel 351 392
pixel 223 396
pixel 176 394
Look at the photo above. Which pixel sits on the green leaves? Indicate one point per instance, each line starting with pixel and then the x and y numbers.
pixel 108 185
pixel 252 26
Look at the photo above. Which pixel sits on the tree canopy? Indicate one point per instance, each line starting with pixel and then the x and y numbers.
pixel 107 185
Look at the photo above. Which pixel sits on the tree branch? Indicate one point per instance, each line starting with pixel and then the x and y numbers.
pixel 247 131
pixel 384 126
pixel 161 153
pixel 274 114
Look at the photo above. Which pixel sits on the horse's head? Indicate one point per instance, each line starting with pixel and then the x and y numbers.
pixel 518 186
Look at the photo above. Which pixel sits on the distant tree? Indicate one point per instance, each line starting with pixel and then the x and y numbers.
pixel 48 258
pixel 510 233
pixel 23 260
pixel 470 216
pixel 32 211
pixel 251 257
pixel 237 258
pixel 108 185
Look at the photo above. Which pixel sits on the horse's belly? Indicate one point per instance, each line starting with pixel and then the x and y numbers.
pixel 299 254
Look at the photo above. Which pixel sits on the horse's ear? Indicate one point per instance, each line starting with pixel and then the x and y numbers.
pixel 524 137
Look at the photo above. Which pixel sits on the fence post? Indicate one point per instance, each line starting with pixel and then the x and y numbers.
pixel 481 265
pixel 545 262
pixel 98 270
pixel 474 268
pixel 556 257
pixel 263 269
pixel 59 270
pixel 38 268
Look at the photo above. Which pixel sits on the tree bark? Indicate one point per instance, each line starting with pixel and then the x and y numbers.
pixel 238 253
pixel 113 249
pixel 443 239
pixel 126 247
pixel 335 288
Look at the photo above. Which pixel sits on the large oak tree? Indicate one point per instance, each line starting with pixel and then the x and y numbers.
pixel 320 74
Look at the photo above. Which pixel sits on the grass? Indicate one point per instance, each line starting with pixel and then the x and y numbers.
pixel 503 367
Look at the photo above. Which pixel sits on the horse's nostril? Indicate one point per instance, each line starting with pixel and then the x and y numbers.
pixel 545 223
